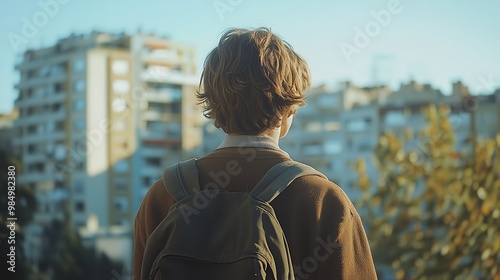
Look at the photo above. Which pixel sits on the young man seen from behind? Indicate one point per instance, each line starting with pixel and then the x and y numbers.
pixel 252 84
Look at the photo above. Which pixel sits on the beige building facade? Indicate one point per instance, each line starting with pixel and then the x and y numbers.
pixel 100 116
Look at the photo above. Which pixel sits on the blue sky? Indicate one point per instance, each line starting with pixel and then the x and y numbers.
pixel 431 41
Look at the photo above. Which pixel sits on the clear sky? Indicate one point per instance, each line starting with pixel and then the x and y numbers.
pixel 431 41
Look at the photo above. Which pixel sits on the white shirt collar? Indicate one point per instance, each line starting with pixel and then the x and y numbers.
pixel 251 141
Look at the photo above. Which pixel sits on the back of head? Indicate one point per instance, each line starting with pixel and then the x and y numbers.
pixel 251 80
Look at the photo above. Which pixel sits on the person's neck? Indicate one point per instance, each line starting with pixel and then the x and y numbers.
pixel 273 134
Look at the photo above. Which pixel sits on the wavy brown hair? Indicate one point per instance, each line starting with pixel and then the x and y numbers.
pixel 251 80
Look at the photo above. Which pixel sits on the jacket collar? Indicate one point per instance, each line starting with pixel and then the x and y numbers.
pixel 256 141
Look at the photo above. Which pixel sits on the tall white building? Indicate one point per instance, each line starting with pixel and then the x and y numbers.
pixel 100 116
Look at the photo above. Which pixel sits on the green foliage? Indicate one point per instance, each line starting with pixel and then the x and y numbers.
pixel 435 213
pixel 68 258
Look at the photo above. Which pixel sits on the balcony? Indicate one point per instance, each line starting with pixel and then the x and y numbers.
pixel 152 151
pixel 39 118
pixel 33 138
pixel 35 178
pixel 34 157
pixel 153 115
pixel 171 77
pixel 57 97
pixel 36 81
pixel 161 57
pixel 164 96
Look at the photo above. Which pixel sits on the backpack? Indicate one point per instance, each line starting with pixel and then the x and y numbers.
pixel 214 234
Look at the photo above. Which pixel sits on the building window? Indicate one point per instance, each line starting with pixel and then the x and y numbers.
pixel 58 69
pixel 39 92
pixel 79 124
pixel 313 126
pixel 121 186
pixel 56 107
pixel 32 148
pixel 152 161
pixel 365 147
pixel 175 108
pixel 121 204
pixel 156 126
pixel 332 147
pixel 78 105
pixel 146 181
pixel 44 71
pixel 174 129
pixel 79 65
pixel 328 101
pixel 50 127
pixel 121 86
pixel 79 86
pixel 156 71
pixel 79 187
pixel 59 87
pixel 156 107
pixel 59 151
pixel 119 105
pixel 169 92
pixel 32 129
pixel 121 166
pixel 36 168
pixel 312 149
pixel 120 67
pixel 80 206
pixel 60 125
pixel 394 118
pixel 358 124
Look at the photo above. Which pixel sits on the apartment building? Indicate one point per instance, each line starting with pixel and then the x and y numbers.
pixel 100 116
pixel 335 128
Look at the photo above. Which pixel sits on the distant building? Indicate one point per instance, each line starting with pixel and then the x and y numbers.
pixel 337 128
pixel 100 116
pixel 487 115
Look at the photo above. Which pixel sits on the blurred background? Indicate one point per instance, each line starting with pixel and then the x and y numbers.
pixel 97 97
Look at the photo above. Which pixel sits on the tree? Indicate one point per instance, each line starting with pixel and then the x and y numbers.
pixel 435 213
pixel 68 258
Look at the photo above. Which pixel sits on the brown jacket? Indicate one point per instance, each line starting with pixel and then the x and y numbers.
pixel 323 229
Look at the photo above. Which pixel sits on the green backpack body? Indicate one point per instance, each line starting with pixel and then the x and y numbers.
pixel 214 234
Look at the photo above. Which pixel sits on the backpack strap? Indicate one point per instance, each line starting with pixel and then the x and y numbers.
pixel 279 177
pixel 181 180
